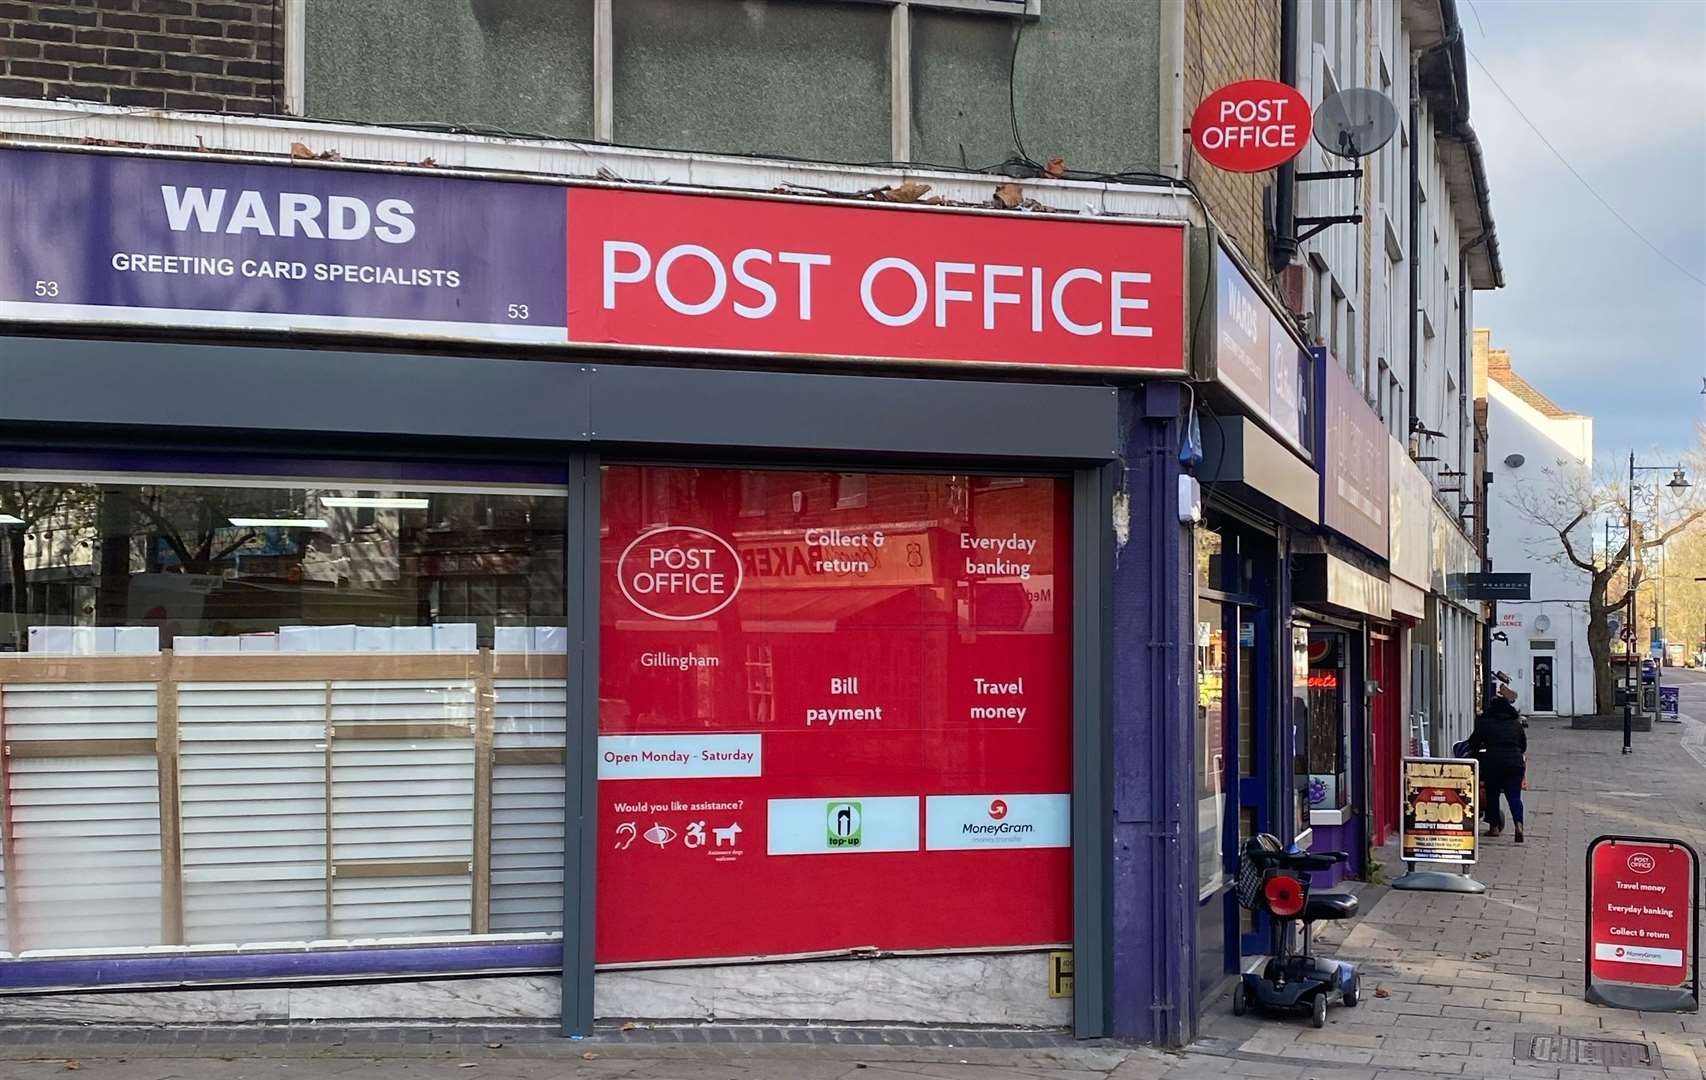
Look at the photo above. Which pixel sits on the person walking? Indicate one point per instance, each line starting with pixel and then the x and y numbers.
pixel 1501 742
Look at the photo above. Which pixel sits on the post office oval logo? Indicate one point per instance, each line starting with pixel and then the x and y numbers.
pixel 1641 863
pixel 679 573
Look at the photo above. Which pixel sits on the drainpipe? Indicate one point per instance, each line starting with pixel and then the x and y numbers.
pixel 1285 184
pixel 1415 253
pixel 1465 423
pixel 1483 497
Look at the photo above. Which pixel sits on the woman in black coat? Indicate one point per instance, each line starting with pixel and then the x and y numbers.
pixel 1502 745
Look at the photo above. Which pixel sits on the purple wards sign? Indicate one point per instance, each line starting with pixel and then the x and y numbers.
pixel 1257 359
pixel 108 239
pixel 1354 460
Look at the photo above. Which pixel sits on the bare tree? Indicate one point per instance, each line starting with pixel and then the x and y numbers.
pixel 1566 507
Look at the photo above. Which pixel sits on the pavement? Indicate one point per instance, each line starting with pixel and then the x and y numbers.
pixel 1454 985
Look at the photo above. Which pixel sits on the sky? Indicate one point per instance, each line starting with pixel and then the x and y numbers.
pixel 1590 314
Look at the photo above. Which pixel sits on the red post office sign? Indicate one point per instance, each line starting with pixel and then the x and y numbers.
pixel 1251 126
pixel 741 275
pixel 1643 904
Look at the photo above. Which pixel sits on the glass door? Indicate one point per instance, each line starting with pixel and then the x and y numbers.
pixel 1214 748
pixel 1255 812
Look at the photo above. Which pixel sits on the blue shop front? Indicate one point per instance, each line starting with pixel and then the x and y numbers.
pixel 1259 444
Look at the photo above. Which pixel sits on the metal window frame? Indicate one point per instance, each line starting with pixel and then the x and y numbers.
pixel 604 60
pixel 295 57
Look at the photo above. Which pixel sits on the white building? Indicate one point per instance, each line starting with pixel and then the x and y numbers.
pixel 1541 643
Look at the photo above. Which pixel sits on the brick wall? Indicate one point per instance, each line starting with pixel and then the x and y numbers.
pixel 1225 41
pixel 174 54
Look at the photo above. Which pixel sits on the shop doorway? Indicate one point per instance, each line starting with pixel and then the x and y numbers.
pixel 1543 683
pixel 1235 741
pixel 1388 733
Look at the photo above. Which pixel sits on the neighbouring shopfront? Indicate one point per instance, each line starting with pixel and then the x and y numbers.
pixel 1258 444
pixel 722 689
pixel 1401 707
pixel 1453 632
pixel 1344 597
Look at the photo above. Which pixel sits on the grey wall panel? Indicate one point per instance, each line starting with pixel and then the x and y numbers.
pixel 262 389
pixel 519 65
pixel 847 413
pixel 149 384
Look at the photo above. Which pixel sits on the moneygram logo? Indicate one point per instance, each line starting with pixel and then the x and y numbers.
pixel 679 573
pixel 998 809
pixel 1641 863
pixel 844 824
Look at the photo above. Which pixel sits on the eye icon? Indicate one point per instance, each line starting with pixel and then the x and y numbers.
pixel 661 835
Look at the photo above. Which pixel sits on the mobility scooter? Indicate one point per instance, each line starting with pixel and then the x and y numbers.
pixel 1275 880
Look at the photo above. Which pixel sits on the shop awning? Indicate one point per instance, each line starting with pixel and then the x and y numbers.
pixel 1325 580
pixel 1248 463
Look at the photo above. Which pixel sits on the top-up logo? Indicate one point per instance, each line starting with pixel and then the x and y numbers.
pixel 844 824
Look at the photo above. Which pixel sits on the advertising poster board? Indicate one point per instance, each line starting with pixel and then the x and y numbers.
pixel 1439 810
pixel 835 713
pixel 1670 700
pixel 1643 949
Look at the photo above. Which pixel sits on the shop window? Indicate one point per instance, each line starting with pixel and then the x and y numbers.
pixel 1329 729
pixel 833 728
pixel 302 710
pixel 1248 763
pixel 1300 728
pixel 1211 748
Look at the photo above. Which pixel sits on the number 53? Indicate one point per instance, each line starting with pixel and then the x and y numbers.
pixel 47 288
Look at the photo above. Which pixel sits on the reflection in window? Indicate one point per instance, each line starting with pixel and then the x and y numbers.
pixel 247 648
pixel 1211 746
pixel 1300 728
pixel 1211 547
pixel 850 491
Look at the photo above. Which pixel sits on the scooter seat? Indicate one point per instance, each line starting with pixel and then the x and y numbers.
pixel 1327 906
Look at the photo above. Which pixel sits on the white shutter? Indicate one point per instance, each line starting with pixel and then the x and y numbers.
pixel 86 829
pixel 398 802
pixel 252 787
pixel 527 807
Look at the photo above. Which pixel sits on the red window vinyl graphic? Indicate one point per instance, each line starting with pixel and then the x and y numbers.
pixel 1642 913
pixel 858 735
pixel 742 275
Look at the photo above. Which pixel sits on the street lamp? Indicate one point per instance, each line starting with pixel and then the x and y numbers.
pixel 1678 481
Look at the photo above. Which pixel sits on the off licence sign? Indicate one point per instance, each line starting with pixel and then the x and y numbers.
pixel 1641 912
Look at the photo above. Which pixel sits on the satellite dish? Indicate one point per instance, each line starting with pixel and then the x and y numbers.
pixel 1355 123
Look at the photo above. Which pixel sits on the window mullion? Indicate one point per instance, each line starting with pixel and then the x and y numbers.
pixel 900 81
pixel 603 71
